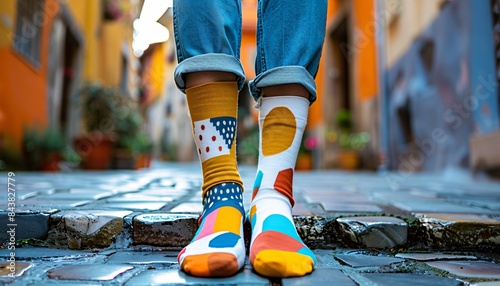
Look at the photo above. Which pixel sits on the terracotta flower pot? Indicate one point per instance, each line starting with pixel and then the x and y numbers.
pixel 304 162
pixel 95 150
pixel 123 159
pixel 50 162
pixel 143 161
pixel 348 160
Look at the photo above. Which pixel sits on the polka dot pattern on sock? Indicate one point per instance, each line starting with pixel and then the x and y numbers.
pixel 226 126
pixel 215 136
pixel 229 194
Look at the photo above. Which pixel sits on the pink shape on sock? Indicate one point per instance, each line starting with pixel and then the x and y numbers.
pixel 208 225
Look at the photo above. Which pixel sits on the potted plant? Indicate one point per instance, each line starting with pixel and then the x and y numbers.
pixel 10 157
pixel 143 149
pixel 123 153
pixel 52 146
pixel 42 150
pixel 350 143
pixel 95 145
pixel 30 148
pixel 127 123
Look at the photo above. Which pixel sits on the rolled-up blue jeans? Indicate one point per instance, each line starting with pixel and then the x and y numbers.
pixel 290 36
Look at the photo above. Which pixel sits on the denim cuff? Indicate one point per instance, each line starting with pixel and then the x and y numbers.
pixel 284 75
pixel 209 62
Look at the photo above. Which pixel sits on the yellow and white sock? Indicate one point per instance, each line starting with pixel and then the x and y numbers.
pixel 276 250
pixel 217 249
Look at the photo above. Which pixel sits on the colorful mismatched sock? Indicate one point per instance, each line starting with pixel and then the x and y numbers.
pixel 218 248
pixel 276 249
pixel 213 109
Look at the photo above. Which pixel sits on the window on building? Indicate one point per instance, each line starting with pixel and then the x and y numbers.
pixel 29 23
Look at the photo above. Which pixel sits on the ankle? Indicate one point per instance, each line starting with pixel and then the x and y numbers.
pixel 223 195
pixel 272 195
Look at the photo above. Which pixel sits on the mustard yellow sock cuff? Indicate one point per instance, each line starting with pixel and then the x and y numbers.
pixel 213 99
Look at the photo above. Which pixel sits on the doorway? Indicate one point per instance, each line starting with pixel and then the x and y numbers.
pixel 65 48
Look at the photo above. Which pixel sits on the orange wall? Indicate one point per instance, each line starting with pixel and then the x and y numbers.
pixel 316 110
pixel 248 37
pixel 22 87
pixel 248 50
pixel 365 63
pixel 23 93
pixel 365 79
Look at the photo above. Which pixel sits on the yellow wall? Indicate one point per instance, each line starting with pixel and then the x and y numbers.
pixel 7 9
pixel 407 20
pixel 103 42
pixel 79 10
pixel 88 16
pixel 154 73
pixel 111 56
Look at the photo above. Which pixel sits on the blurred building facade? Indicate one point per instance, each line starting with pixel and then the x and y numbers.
pixel 49 49
pixel 418 78
pixel 441 85
pixel 407 85
pixel 372 71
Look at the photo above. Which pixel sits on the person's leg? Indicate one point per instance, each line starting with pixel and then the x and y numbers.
pixel 286 66
pixel 208 37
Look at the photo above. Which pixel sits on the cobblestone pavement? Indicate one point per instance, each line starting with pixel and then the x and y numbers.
pixel 126 228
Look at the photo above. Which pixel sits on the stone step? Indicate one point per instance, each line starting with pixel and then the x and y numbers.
pixel 119 229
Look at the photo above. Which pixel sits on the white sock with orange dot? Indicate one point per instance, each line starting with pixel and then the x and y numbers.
pixel 276 249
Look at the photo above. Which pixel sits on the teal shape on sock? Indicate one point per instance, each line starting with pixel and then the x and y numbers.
pixel 254 220
pixel 281 224
pixel 258 180
pixel 228 239
pixel 308 252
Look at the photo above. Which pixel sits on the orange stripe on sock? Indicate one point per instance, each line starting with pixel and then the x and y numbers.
pixel 210 265
pixel 283 184
pixel 274 240
pixel 254 193
pixel 253 210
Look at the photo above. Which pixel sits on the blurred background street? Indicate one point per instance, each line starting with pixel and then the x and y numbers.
pixel 408 86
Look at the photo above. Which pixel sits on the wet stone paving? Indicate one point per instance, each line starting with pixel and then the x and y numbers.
pixel 127 227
